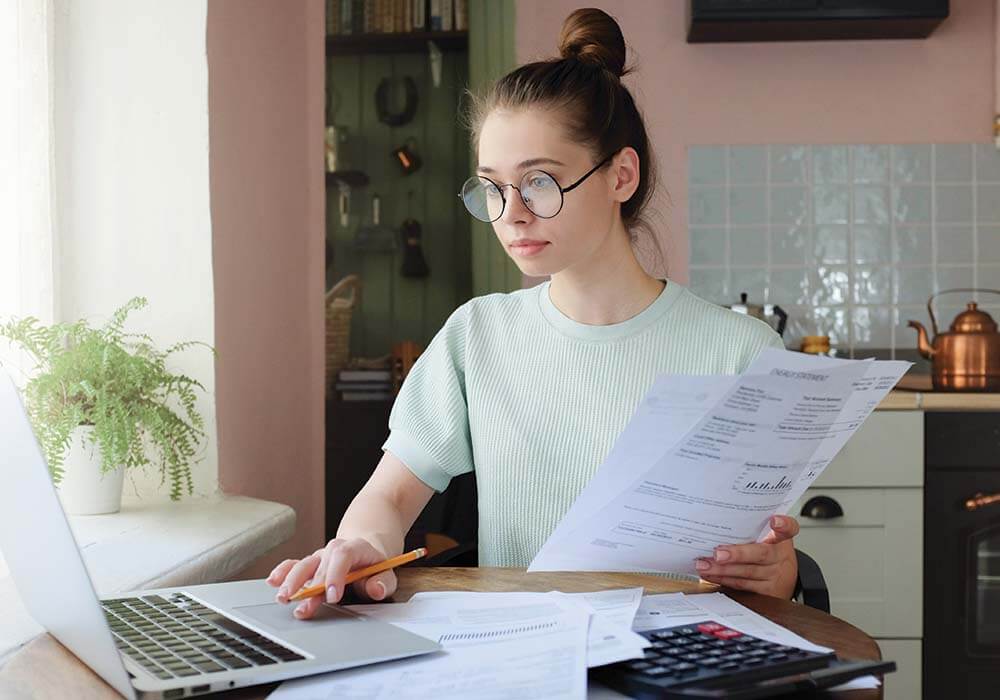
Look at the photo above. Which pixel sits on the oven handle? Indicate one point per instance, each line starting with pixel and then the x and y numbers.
pixel 981 500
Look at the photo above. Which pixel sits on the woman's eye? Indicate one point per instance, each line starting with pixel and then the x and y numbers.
pixel 492 190
pixel 539 182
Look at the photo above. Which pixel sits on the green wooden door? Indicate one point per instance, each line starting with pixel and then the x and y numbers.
pixel 463 255
pixel 394 307
pixel 491 54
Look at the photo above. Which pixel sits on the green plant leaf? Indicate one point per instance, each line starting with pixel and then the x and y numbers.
pixel 117 382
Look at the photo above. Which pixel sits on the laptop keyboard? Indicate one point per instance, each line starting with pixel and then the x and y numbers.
pixel 174 636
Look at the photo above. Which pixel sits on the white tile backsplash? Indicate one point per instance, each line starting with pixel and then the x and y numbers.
pixel 850 239
pixel 747 164
pixel 870 163
pixel 829 164
pixel 748 245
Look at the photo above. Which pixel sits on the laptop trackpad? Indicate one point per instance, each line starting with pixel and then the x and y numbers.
pixel 280 617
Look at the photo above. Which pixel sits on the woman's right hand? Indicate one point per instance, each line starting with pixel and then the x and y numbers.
pixel 330 567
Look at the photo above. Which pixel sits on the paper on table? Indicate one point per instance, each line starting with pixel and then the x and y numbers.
pixel 751 454
pixel 610 637
pixel 493 649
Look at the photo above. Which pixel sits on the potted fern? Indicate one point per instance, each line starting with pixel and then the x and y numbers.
pixel 101 401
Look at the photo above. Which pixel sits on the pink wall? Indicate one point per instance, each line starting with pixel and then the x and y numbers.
pixel 265 69
pixel 935 90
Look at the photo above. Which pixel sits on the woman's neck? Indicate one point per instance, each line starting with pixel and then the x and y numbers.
pixel 611 287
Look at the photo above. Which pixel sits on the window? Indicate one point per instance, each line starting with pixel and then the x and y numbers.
pixel 27 281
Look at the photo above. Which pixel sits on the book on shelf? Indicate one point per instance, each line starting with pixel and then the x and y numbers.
pixel 332 19
pixel 434 16
pixel 358 15
pixel 419 15
pixel 447 15
pixel 346 17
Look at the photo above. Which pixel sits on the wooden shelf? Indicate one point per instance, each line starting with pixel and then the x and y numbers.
pixel 399 42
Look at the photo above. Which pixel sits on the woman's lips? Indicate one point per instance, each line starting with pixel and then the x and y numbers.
pixel 528 249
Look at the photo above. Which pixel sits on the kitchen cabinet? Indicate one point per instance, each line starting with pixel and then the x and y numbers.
pixel 872 554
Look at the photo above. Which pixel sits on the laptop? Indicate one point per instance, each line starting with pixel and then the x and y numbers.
pixel 165 642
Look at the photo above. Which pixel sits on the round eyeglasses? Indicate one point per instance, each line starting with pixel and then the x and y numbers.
pixel 539 191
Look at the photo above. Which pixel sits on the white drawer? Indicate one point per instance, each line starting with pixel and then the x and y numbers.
pixel 887 450
pixel 905 682
pixel 871 557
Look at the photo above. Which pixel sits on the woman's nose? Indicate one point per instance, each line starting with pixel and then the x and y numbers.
pixel 515 209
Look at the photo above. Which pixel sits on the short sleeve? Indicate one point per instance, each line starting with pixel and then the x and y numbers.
pixel 429 420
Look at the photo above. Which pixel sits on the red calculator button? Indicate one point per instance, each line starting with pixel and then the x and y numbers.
pixel 709 627
pixel 727 633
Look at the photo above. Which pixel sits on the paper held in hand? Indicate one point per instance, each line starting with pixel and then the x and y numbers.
pixel 707 460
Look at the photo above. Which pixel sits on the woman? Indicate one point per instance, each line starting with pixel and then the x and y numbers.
pixel 531 388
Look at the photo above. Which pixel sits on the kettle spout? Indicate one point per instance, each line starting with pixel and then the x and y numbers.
pixel 923 345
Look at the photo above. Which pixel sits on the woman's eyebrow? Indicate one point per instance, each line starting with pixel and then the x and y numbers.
pixel 524 164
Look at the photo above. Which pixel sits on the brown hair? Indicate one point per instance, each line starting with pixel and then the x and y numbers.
pixel 584 85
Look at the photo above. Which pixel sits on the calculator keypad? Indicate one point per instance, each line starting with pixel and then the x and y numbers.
pixel 709 651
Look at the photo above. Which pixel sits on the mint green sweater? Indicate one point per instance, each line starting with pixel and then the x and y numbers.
pixel 533 400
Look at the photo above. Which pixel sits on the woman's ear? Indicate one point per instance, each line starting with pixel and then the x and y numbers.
pixel 625 174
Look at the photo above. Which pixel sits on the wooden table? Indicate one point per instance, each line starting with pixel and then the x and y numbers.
pixel 45 669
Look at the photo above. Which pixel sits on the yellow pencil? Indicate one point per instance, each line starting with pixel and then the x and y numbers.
pixel 363 573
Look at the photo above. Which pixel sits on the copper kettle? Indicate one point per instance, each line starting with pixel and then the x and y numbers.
pixel 967 357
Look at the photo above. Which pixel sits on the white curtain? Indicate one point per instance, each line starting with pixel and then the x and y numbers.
pixel 27 197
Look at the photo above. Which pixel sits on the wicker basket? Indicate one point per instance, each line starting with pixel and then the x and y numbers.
pixel 338 326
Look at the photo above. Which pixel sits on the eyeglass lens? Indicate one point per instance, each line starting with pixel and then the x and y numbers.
pixel 539 192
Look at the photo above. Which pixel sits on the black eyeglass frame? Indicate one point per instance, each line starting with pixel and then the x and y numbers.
pixel 500 188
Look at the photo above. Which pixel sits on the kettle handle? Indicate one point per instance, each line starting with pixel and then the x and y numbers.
pixel 947 291
pixel 782 319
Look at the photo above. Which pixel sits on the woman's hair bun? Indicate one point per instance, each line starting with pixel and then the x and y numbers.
pixel 593 36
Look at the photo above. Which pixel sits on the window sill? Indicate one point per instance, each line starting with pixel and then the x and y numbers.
pixel 199 540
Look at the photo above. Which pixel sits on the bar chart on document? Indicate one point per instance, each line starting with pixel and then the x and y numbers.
pixel 762 480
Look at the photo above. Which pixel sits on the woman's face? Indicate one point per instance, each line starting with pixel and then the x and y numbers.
pixel 512 144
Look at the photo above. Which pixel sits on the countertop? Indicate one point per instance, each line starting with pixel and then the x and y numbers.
pixel 915 393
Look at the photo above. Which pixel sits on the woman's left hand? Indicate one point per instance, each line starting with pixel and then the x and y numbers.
pixel 767 567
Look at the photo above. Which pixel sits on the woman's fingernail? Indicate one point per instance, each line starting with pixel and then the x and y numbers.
pixel 722 555
pixel 379 590
pixel 701 565
pixel 283 594
pixel 331 594
pixel 299 611
pixel 777 521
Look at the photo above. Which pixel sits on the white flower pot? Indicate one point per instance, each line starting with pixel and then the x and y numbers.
pixel 83 490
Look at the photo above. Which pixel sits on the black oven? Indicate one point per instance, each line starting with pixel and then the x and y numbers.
pixel 961 656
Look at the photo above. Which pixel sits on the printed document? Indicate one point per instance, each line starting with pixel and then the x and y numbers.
pixel 495 646
pixel 707 460
pixel 610 637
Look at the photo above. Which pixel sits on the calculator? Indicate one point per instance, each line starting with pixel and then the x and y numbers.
pixel 710 660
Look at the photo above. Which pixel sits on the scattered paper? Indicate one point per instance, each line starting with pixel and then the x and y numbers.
pixel 493 648
pixel 610 637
